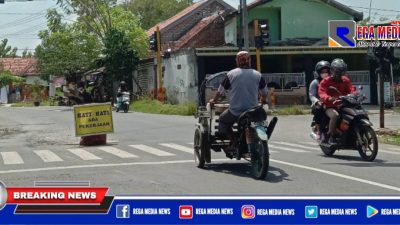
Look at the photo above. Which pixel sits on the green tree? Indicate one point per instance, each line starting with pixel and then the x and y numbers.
pixel 95 14
pixel 7 51
pixel 27 54
pixel 6 78
pixel 100 16
pixel 128 23
pixel 120 59
pixel 66 49
pixel 151 12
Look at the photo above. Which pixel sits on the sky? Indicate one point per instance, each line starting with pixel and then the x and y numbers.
pixel 20 20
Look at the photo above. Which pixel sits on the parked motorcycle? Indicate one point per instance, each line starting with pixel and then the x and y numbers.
pixel 123 101
pixel 354 129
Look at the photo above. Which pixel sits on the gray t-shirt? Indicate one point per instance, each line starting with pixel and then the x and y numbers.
pixel 244 86
pixel 313 92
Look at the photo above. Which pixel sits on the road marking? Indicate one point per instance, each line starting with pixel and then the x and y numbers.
pixel 338 175
pixel 287 149
pixel 178 147
pixel 83 154
pixel 295 145
pixel 151 150
pixel 395 149
pixel 191 143
pixel 11 158
pixel 48 156
pixel 389 152
pixel 309 143
pixel 118 152
pixel 105 165
pixel 191 161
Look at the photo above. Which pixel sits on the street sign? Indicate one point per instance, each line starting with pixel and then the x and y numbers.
pixel 93 119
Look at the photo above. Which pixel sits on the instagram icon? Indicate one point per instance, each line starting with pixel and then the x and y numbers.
pixel 248 211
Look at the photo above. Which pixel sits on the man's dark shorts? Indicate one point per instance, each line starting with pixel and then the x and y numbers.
pixel 226 121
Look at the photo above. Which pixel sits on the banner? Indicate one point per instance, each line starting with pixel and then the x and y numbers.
pixel 93 119
pixel 213 210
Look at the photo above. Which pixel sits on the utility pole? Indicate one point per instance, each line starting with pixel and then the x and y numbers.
pixel 160 93
pixel 381 96
pixel 245 24
pixel 258 52
pixel 240 38
pixel 370 7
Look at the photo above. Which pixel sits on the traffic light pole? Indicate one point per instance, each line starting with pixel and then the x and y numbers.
pixel 258 52
pixel 245 24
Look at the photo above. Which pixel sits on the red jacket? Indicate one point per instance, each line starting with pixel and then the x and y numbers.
pixel 344 86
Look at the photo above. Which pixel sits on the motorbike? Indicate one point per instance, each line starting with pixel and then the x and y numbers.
pixel 123 101
pixel 354 129
pixel 252 133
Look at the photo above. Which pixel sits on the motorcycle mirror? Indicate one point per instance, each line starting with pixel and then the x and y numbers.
pixel 360 88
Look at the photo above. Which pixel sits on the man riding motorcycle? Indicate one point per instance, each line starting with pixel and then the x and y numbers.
pixel 121 90
pixel 322 70
pixel 329 97
pixel 245 85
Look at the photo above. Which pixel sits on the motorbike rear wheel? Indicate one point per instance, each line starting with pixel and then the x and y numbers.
pixel 126 108
pixel 260 160
pixel 368 136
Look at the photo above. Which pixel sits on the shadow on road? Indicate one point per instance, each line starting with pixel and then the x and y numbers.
pixel 359 162
pixel 275 175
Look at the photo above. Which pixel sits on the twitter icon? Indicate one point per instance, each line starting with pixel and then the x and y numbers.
pixel 311 212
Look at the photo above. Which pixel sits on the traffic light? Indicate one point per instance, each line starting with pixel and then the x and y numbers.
pixel 153 42
pixel 263 39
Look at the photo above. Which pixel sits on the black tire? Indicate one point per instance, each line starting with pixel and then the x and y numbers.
pixel 126 108
pixel 199 147
pixel 329 151
pixel 369 138
pixel 260 160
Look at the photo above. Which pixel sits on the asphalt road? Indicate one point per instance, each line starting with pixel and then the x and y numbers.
pixel 152 154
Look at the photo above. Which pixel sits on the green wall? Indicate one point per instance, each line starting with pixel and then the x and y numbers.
pixel 297 18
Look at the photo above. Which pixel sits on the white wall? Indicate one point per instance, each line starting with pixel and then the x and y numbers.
pixel 34 79
pixel 180 77
pixel 230 31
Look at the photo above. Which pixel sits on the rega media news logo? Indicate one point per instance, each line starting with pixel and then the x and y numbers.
pixel 347 34
pixel 342 33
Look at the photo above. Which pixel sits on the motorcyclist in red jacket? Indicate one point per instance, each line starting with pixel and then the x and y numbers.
pixel 329 96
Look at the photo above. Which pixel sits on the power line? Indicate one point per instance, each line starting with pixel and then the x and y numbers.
pixel 19 13
pixel 31 29
pixel 377 9
pixel 25 19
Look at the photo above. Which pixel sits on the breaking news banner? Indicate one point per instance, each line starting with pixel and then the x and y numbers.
pixel 65 202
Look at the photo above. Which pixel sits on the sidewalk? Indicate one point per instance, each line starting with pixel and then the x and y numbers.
pixel 5 105
pixel 374 109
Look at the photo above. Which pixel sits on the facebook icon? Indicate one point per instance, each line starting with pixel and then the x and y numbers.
pixel 123 211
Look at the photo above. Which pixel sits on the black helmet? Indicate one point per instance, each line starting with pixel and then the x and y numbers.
pixel 122 83
pixel 320 66
pixel 338 67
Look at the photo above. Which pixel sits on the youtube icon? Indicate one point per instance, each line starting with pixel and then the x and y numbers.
pixel 185 212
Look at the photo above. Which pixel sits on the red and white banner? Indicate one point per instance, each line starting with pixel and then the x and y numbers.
pixel 56 195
